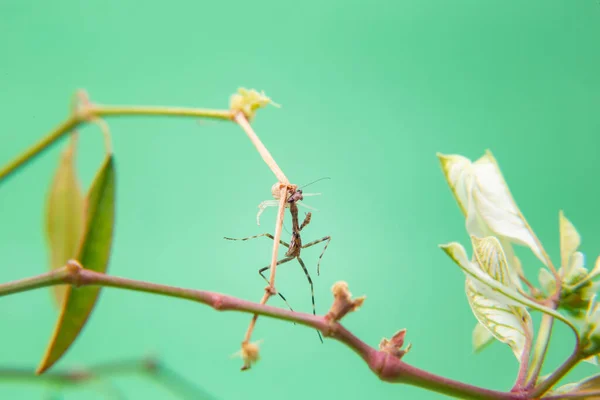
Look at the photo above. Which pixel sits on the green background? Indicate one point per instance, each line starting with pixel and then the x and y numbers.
pixel 370 92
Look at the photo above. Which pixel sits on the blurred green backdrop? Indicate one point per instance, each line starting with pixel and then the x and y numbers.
pixel 370 92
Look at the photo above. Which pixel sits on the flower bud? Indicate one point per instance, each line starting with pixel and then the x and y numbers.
pixel 248 101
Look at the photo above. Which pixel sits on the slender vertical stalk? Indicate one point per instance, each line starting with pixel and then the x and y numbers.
pixel 262 150
pixel 540 349
pixel 522 374
pixel 557 375
pixel 271 290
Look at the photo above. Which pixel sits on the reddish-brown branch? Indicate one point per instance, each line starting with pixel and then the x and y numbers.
pixel 387 367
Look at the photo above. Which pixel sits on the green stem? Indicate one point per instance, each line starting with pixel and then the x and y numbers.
pixel 106 111
pixel 540 349
pixel 96 111
pixel 387 367
pixel 557 375
pixel 39 147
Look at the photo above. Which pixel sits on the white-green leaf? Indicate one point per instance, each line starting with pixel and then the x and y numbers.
pixel 592 360
pixel 569 241
pixel 547 281
pixel 591 329
pixel 484 197
pixel 576 272
pixel 490 256
pixel 596 271
pixel 495 290
pixel 588 385
pixel 509 324
pixel 481 337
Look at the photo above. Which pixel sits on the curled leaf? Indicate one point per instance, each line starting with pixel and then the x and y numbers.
pixel 93 254
pixel 64 214
pixel 485 199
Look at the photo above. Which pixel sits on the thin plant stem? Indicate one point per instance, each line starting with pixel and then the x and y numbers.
pixel 557 375
pixel 242 121
pixel 522 374
pixel 540 349
pixel 88 114
pixel 252 324
pixel 39 147
pixel 278 226
pixel 81 376
pixel 116 111
pixel 385 366
pixel 271 289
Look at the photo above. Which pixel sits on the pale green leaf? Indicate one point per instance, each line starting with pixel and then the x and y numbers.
pixel 64 215
pixel 547 281
pixel 509 324
pixel 492 288
pixel 577 271
pixel 490 257
pixel 484 197
pixel 93 254
pixel 569 241
pixel 458 172
pixel 588 385
pixel 596 271
pixel 592 360
pixel 481 337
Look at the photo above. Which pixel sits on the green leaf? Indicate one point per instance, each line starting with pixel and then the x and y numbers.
pixel 64 215
pixel 93 254
pixel 569 241
pixel 481 337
